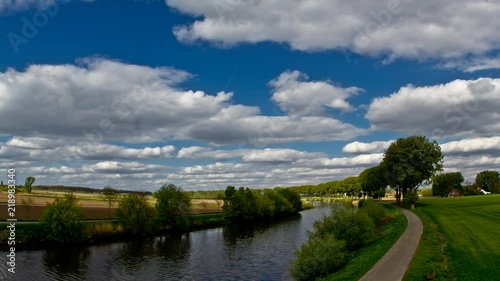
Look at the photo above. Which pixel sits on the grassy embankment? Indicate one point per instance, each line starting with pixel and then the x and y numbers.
pixel 364 258
pixel 460 239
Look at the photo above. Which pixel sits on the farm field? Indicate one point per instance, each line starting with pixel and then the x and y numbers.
pixel 470 227
pixel 93 205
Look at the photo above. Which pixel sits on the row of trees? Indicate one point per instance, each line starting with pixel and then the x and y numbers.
pixel 249 204
pixel 139 218
pixel 64 219
pixel 408 163
pixel 349 186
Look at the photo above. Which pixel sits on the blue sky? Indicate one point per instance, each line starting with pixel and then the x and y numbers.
pixel 206 94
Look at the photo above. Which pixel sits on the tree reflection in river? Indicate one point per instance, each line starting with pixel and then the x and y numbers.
pixel 66 262
pixel 174 247
pixel 254 251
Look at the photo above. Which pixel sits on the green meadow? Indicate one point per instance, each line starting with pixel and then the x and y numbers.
pixel 461 239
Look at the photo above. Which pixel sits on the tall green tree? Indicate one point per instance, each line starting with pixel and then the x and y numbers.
pixel 409 162
pixel 489 181
pixel 28 184
pixel 135 214
pixel 172 206
pixel 110 195
pixel 442 184
pixel 372 181
pixel 231 207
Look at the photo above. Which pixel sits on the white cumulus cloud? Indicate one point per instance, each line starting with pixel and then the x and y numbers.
pixel 472 146
pixel 461 108
pixel 299 97
pixel 393 28
pixel 366 148
pixel 104 100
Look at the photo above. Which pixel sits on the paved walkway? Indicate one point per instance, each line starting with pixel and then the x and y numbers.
pixel 392 266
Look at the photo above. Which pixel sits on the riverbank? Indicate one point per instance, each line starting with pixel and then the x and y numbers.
pixel 346 244
pixel 366 257
pixel 222 253
pixel 28 235
pixel 31 234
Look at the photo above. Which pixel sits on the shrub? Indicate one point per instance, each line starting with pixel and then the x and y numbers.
pixel 361 203
pixel 379 194
pixel 470 189
pixel 411 197
pixel 35 232
pixel 63 220
pixel 319 257
pixel 355 228
pixel 281 205
pixel 290 196
pixel 244 204
pixel 374 211
pixel 135 214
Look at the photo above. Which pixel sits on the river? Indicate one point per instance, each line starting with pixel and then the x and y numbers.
pixel 257 251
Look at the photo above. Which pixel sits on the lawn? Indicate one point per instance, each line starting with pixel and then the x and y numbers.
pixel 461 239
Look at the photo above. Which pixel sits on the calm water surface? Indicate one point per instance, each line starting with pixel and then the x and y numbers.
pixel 260 251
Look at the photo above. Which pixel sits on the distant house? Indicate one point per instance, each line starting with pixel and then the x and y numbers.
pixel 454 193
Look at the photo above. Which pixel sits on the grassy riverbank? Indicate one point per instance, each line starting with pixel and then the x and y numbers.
pixel 364 258
pixel 460 239
pixel 347 243
pixel 103 229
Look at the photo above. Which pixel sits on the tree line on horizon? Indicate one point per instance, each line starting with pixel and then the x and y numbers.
pixel 408 164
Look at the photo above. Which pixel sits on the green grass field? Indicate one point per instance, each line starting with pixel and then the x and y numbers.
pixel 461 239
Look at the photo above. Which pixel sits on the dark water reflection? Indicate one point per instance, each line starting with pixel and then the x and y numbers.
pixel 258 251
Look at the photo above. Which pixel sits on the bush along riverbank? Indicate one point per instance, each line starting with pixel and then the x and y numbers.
pixel 347 243
pixel 246 204
pixel 63 221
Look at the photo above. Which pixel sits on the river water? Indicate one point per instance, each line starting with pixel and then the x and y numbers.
pixel 257 251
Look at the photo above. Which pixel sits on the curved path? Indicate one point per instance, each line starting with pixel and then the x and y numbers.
pixel 392 266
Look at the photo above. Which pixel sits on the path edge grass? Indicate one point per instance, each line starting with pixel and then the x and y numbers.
pixel 365 258
pixel 430 261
